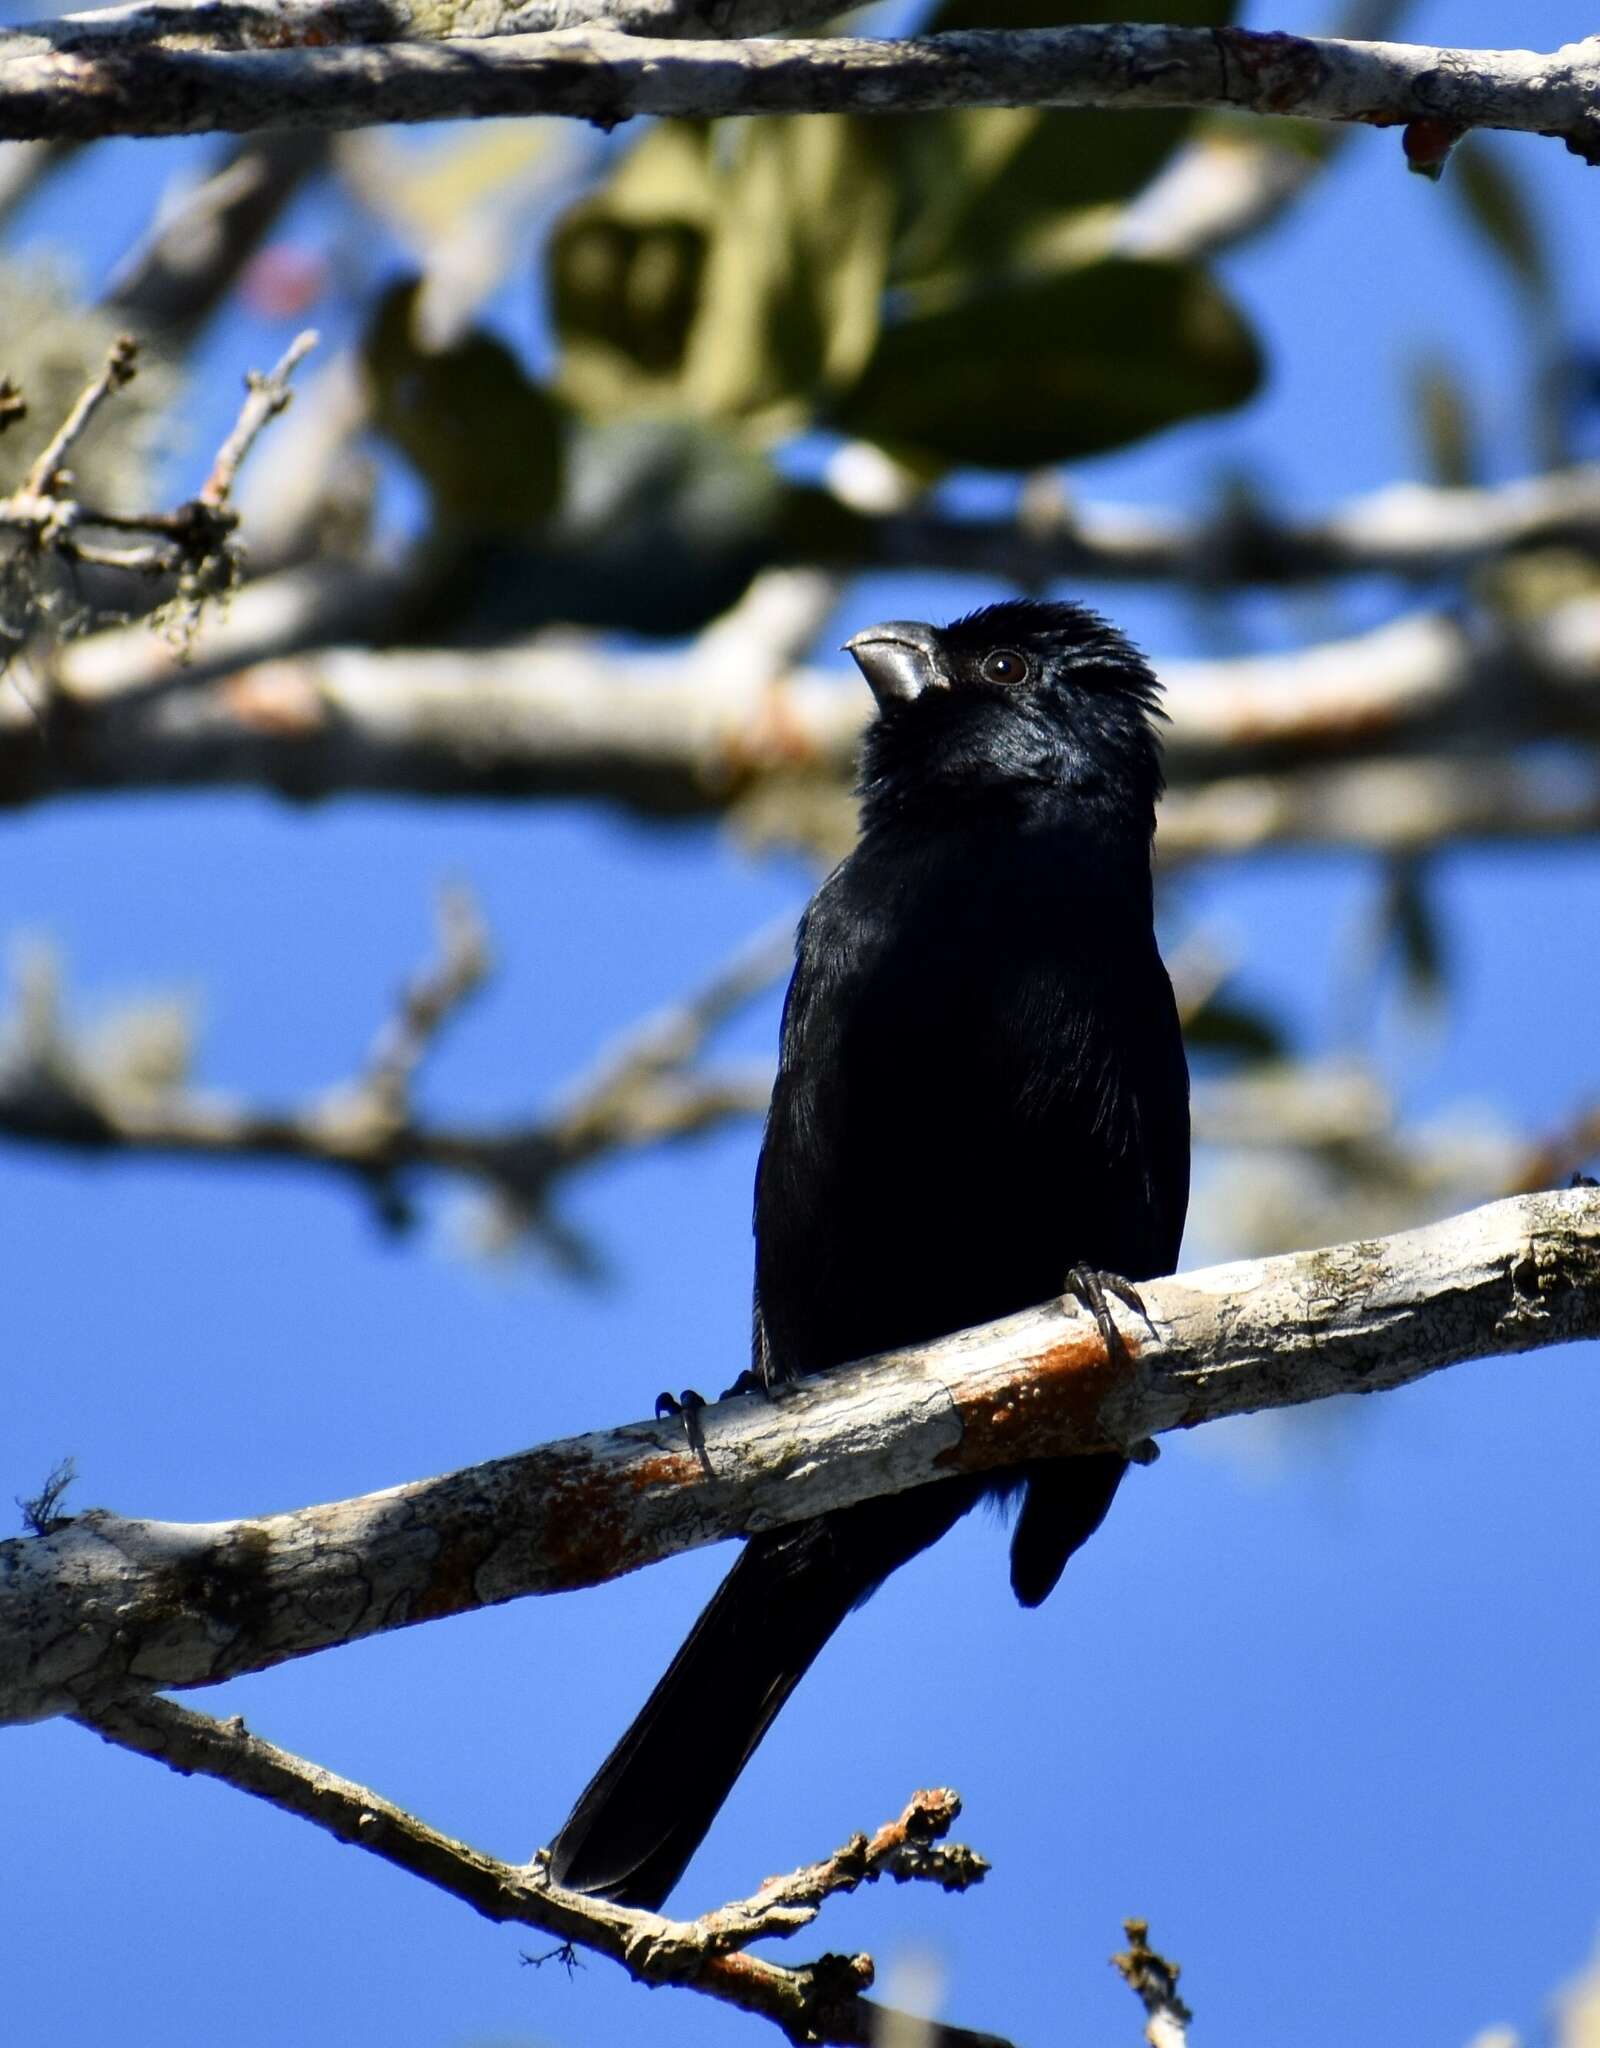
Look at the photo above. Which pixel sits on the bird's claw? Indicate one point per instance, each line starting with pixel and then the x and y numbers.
pixel 750 1382
pixel 1089 1285
pixel 687 1405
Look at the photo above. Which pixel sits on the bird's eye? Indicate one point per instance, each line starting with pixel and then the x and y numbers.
pixel 1004 665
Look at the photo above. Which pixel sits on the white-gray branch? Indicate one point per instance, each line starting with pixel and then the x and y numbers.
pixel 54 87
pixel 99 1607
pixel 681 735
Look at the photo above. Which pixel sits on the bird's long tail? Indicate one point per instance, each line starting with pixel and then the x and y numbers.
pixel 651 1802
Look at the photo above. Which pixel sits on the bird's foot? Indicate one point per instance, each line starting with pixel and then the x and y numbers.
pixel 686 1406
pixel 1090 1286
pixel 753 1380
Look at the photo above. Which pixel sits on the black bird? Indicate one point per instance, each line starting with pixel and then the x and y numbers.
pixel 981 1099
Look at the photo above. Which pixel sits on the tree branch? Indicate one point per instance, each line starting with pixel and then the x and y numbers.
pixel 598 74
pixel 1411 530
pixel 683 735
pixel 193 542
pixel 817 2002
pixel 304 24
pixel 646 1090
pixel 100 1606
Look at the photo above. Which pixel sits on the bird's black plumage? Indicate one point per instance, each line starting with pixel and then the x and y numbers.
pixel 981 1085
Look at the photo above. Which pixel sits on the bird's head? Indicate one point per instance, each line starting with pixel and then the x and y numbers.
pixel 1035 705
pixel 1027 704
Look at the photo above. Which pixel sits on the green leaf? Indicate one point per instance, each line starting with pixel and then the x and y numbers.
pixel 625 268
pixel 986 185
pixel 485 439
pixel 1501 212
pixel 731 273
pixel 1055 367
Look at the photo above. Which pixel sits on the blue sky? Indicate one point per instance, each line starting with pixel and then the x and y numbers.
pixel 1327 1723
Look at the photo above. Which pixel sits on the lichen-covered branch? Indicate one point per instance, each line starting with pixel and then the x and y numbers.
pixel 100 1606
pixel 819 2002
pixel 309 24
pixel 110 87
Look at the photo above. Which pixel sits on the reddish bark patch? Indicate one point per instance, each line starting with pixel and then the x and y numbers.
pixel 1050 1408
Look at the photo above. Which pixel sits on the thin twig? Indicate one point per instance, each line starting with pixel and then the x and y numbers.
pixel 818 2002
pixel 428 1002
pixel 121 365
pixel 193 543
pixel 645 1091
pixel 266 397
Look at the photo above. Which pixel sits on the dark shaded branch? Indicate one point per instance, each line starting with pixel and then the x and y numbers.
pixel 102 1606
pixel 817 2002
pixel 1410 530
pixel 602 75
pixel 192 255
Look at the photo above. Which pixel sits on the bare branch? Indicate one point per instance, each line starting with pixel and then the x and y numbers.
pixel 102 1606
pixel 120 364
pixel 192 543
pixel 1384 806
pixel 193 253
pixel 1224 185
pixel 602 75
pixel 428 1003
pixel 1411 530
pixel 647 1091
pixel 817 2002
pixel 266 396
pixel 679 735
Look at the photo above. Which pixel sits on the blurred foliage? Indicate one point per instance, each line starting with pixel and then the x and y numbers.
pixel 729 270
pixel 1056 367
pixel 484 438
pixel 939 287
pixel 990 187
pixel 1231 1028
pixel 1497 207
pixel 1447 438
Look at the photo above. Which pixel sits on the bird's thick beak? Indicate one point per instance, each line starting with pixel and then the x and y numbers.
pixel 899 660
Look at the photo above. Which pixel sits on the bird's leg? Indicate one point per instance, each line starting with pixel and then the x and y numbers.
pixel 1090 1286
